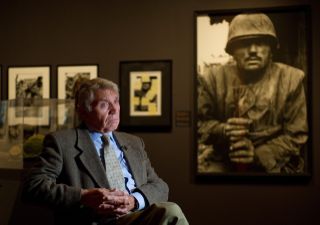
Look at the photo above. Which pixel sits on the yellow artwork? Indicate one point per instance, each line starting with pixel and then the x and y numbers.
pixel 145 93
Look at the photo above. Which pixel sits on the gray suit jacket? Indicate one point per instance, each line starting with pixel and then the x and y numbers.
pixel 69 162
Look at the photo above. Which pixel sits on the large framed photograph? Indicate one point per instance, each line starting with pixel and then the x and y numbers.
pixel 252 93
pixel 145 89
pixel 69 78
pixel 29 85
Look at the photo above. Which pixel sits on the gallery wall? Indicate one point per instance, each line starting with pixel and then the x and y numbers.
pixel 103 32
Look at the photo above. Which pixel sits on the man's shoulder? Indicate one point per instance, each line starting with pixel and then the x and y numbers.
pixel 125 139
pixel 288 76
pixel 125 135
pixel 223 68
pixel 220 73
pixel 288 71
pixel 64 133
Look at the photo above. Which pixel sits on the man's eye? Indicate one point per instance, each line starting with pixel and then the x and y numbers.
pixel 104 105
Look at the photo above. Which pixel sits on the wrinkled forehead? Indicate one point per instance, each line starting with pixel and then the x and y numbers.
pixel 105 94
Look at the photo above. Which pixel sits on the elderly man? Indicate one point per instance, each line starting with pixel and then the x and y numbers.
pixel 95 175
pixel 252 111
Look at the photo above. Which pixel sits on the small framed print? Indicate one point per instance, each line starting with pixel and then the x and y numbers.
pixel 145 89
pixel 145 103
pixel 69 76
pixel 29 85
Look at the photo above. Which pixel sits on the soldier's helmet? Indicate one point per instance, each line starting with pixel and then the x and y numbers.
pixel 251 26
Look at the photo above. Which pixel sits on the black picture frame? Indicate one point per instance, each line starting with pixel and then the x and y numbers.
pixel 292 35
pixel 145 108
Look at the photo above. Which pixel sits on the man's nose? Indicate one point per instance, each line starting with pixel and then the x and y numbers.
pixel 112 108
pixel 253 47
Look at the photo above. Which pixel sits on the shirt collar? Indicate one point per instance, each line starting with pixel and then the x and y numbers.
pixel 97 135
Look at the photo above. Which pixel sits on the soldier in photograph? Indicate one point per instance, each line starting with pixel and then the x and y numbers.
pixel 252 111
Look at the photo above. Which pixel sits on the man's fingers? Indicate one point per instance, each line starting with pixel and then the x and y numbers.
pixel 114 196
pixel 237 133
pixel 241 153
pixel 242 160
pixel 235 138
pixel 116 200
pixel 105 206
pixel 237 127
pixel 121 211
pixel 106 210
pixel 230 127
pixel 241 156
pixel 239 121
pixel 242 144
pixel 109 209
pixel 96 196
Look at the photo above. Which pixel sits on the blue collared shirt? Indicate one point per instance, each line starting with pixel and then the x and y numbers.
pixel 129 181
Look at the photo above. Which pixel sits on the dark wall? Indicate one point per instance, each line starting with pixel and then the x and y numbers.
pixel 108 31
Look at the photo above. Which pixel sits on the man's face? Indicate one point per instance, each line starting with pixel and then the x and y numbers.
pixel 252 55
pixel 104 116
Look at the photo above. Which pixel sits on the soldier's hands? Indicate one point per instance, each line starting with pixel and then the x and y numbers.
pixel 241 148
pixel 242 151
pixel 237 128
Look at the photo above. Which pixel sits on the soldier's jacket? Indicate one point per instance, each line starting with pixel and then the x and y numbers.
pixel 276 104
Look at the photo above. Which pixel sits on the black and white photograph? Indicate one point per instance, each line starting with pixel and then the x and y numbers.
pixel 252 94
pixel 69 78
pixel 145 93
pixel 30 85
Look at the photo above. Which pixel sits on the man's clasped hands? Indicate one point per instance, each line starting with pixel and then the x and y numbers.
pixel 108 201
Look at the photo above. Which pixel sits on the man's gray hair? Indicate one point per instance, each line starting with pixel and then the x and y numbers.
pixel 85 94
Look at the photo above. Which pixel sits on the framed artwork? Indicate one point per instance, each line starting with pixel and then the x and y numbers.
pixel 252 93
pixel 68 77
pixel 145 89
pixel 29 85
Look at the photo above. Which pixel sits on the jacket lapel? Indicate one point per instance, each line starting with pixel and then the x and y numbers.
pixel 133 157
pixel 90 158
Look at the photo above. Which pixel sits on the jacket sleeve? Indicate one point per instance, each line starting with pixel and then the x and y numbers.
pixel 41 184
pixel 277 154
pixel 210 128
pixel 154 189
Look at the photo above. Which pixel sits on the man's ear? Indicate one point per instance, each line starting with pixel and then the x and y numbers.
pixel 81 111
